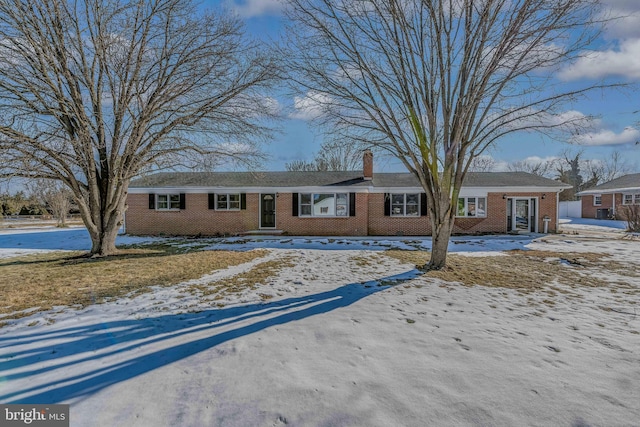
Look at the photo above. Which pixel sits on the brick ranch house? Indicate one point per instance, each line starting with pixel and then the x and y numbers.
pixel 356 203
pixel 608 200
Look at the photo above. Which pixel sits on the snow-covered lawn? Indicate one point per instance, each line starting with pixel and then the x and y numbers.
pixel 350 337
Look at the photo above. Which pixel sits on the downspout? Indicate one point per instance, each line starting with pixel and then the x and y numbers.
pixel 558 209
pixel 613 204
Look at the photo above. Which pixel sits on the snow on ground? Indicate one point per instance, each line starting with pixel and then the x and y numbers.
pixel 351 337
pixel 24 241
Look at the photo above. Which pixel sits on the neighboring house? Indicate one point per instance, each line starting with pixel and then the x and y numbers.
pixel 356 203
pixel 607 200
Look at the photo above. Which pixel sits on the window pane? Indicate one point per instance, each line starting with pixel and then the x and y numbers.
pixel 175 201
pixel 471 206
pixel 397 204
pixel 597 200
pixel 222 201
pixel 412 210
pixel 305 204
pixel 481 208
pixel 461 206
pixel 162 201
pixel 637 198
pixel 412 205
pixel 341 198
pixel 324 204
pixel 231 201
pixel 628 199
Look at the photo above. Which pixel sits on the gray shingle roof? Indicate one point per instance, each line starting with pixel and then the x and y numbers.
pixel 248 179
pixel 631 181
pixel 321 179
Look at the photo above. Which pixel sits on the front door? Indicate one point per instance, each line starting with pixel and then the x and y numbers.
pixel 520 219
pixel 268 211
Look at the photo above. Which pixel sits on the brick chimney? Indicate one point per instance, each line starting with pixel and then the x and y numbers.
pixel 367 165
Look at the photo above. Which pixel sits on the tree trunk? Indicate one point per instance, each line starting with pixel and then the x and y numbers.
pixel 441 212
pixel 104 224
pixel 104 242
pixel 440 235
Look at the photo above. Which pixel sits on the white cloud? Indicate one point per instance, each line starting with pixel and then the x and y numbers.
pixel 608 137
pixel 311 106
pixel 622 61
pixel 622 56
pixel 625 19
pixel 569 121
pixel 251 8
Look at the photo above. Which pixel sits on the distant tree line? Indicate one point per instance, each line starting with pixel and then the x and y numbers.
pixel 43 198
pixel 20 204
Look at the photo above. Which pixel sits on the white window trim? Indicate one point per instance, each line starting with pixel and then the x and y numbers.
pixel 635 199
pixel 335 207
pixel 594 200
pixel 168 208
pixel 466 207
pixel 404 205
pixel 228 201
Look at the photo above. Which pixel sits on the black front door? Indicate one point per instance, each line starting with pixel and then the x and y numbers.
pixel 268 211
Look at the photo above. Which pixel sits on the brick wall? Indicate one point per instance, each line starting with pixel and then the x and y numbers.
pixel 315 226
pixel 369 219
pixel 196 219
pixel 591 211
pixel 380 225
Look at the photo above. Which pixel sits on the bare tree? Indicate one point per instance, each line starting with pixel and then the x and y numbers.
pixel 56 197
pixel 94 92
pixel 631 214
pixel 569 172
pixel 435 83
pixel 541 168
pixel 482 164
pixel 332 156
pixel 607 168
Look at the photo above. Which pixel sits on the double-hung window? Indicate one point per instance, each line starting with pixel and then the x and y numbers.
pixel 627 199
pixel 474 207
pixel 167 201
pixel 405 204
pixel 228 202
pixel 597 200
pixel 324 204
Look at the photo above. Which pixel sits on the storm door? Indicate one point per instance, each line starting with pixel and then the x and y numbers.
pixel 267 211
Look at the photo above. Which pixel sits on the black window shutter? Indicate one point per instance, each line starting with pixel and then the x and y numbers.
pixel 294 204
pixel 183 201
pixel 423 204
pixel 152 201
pixel 212 201
pixel 387 204
pixel 352 204
pixel 243 201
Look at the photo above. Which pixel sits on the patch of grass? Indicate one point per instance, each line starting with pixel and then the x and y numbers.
pixel 525 271
pixel 260 274
pixel 366 261
pixel 71 279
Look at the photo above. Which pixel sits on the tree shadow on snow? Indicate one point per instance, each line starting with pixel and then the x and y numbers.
pixel 80 357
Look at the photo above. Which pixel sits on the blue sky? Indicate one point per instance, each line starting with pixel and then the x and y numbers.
pixel 616 55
